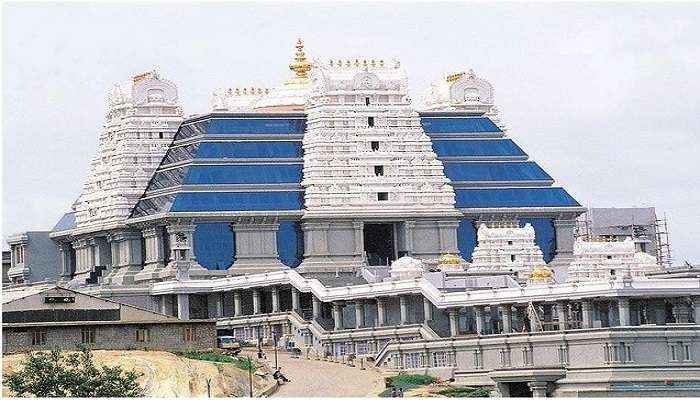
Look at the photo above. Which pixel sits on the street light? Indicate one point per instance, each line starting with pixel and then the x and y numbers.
pixel 250 377
pixel 274 340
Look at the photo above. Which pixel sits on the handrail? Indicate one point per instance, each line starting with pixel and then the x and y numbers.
pixel 442 300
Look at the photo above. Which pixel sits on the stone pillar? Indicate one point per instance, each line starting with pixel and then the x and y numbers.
pixel 316 308
pixel 359 238
pixel 164 304
pixel 295 299
pixel 129 262
pixel 237 303
pixel 564 233
pixel 539 389
pixel 256 245
pixel 586 314
pixel 66 272
pixel 381 312
pixel 454 321
pixel 479 316
pixel 403 303
pixel 681 312
pixel 534 326
pixel 337 316
pixel 256 301
pixel 427 310
pixel 562 315
pixel 183 306
pixel 696 309
pixel 154 262
pixel 448 236
pixel 507 318
pixel 216 302
pixel 275 299
pixel 623 305
pixel 359 314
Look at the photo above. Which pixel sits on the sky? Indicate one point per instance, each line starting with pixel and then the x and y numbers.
pixel 603 96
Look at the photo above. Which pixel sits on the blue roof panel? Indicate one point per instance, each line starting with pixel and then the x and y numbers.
pixel 514 197
pixel 476 148
pixel 250 149
pixel 495 171
pixel 238 201
pixel 458 125
pixel 257 126
pixel 242 174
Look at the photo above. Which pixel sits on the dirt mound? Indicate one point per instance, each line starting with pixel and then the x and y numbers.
pixel 167 375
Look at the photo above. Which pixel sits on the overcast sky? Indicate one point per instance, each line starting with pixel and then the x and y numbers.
pixel 603 96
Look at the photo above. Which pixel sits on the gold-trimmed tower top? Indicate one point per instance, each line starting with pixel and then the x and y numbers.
pixel 301 66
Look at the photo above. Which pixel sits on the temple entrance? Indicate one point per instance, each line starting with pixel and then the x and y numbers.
pixel 519 389
pixel 380 245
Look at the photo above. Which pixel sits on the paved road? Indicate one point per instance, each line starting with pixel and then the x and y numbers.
pixel 312 378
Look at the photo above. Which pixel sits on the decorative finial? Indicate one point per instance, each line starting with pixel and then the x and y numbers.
pixel 454 77
pixel 300 65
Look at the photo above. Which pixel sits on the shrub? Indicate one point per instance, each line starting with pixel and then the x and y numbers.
pixel 55 374
pixel 463 391
pixel 412 379
pixel 238 362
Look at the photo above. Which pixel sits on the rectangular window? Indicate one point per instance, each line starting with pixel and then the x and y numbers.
pixel 142 335
pixel 382 196
pixel 477 359
pixel 370 121
pixel 375 146
pixel 87 335
pixel 367 101
pixel 412 361
pixel 686 352
pixel 188 334
pixel 379 170
pixel 439 359
pixel 361 348
pixel 527 356
pixel 39 338
pixel 160 135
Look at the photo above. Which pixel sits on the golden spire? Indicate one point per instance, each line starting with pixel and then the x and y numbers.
pixel 300 65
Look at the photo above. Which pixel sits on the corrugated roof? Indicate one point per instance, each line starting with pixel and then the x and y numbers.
pixel 13 294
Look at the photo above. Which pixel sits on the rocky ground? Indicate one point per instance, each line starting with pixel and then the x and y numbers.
pixel 167 375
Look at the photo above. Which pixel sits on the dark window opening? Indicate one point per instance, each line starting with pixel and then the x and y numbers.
pixel 160 135
pixel 370 121
pixel 382 196
pixel 609 257
pixel 379 243
pixel 379 170
pixel 375 146
pixel 512 257
pixel 510 243
pixel 87 335
pixel 367 101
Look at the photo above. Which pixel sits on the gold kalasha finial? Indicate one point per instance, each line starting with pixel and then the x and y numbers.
pixel 455 77
pixel 300 65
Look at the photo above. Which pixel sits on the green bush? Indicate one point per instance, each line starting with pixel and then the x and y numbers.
pixel 463 391
pixel 412 379
pixel 238 362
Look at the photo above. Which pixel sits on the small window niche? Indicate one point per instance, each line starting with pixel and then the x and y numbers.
pixel 383 196
pixel 366 101
pixel 160 135
pixel 512 257
pixel 378 170
pixel 375 146
pixel 370 121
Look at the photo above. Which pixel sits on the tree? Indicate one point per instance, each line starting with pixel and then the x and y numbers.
pixel 55 374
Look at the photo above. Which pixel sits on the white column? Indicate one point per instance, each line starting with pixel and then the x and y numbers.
pixel 454 321
pixel 623 305
pixel 403 303
pixel 359 314
pixel 316 307
pixel 696 309
pixel 586 315
pixel 427 310
pixel 337 316
pixel 539 389
pixel 237 303
pixel 275 299
pixel 381 312
pixel 164 304
pixel 183 306
pixel 218 304
pixel 479 315
pixel 295 299
pixel 507 317
pixel 562 315
pixel 256 301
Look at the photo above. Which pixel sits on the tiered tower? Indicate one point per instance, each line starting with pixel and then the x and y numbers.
pixel 601 260
pixel 506 249
pixel 143 116
pixel 365 152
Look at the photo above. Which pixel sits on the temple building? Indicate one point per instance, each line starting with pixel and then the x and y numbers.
pixel 332 213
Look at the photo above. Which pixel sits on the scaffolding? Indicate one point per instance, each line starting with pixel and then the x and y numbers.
pixel 663 249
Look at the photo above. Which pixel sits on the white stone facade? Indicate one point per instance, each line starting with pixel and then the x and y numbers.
pixel 142 118
pixel 506 249
pixel 605 260
pixel 365 150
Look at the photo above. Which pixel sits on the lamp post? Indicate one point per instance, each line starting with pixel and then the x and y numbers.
pixel 274 340
pixel 259 343
pixel 250 377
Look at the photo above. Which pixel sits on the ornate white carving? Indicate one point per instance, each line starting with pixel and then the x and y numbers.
pixel 344 171
pixel 605 260
pixel 506 249
pixel 406 268
pixel 142 118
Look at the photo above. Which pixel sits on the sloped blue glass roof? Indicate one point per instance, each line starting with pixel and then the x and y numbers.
pixel 477 148
pixel 66 222
pixel 232 174
pixel 514 197
pixel 238 201
pixel 251 149
pixel 458 125
pixel 495 171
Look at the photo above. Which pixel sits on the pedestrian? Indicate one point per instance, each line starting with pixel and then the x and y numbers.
pixel 393 391
pixel 400 392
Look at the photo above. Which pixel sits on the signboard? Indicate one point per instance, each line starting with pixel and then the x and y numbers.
pixel 59 299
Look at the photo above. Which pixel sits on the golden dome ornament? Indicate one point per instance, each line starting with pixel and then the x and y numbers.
pixel 540 274
pixel 300 66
